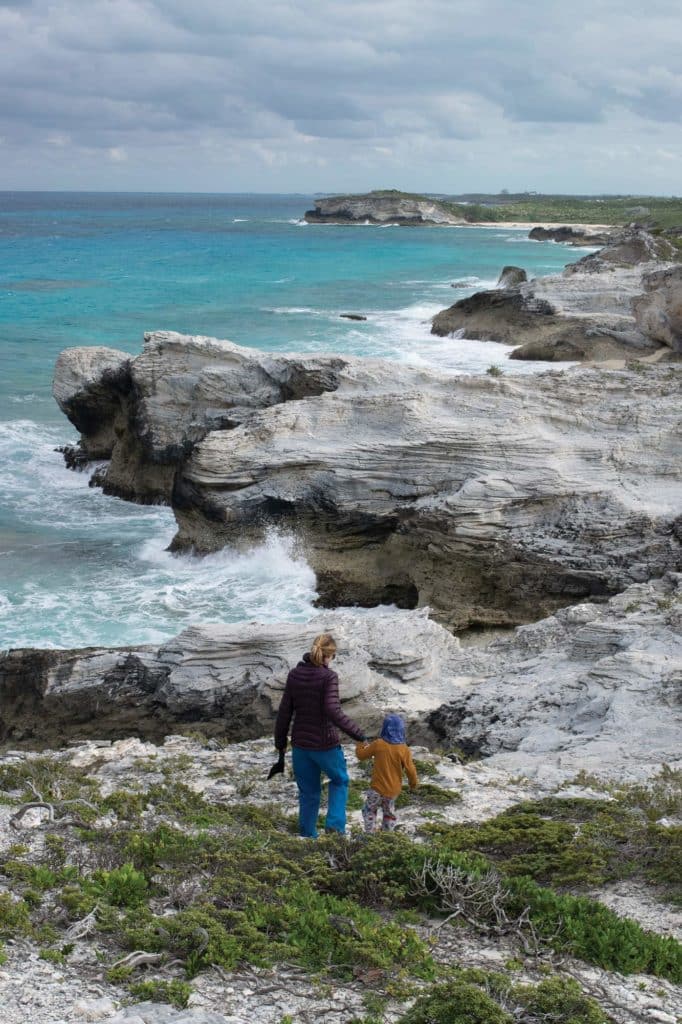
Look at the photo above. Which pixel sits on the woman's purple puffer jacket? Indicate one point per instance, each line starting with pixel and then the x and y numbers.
pixel 311 697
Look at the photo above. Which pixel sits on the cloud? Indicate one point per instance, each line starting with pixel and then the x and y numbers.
pixel 376 80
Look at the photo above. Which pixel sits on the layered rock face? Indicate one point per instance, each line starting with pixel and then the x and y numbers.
pixel 626 248
pixel 492 501
pixel 146 414
pixel 229 678
pixel 583 314
pixel 658 311
pixel 382 208
pixel 594 687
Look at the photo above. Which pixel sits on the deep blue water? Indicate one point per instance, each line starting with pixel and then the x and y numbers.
pixel 77 568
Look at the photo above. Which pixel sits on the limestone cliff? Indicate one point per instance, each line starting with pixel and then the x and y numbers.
pixel 383 208
pixel 491 500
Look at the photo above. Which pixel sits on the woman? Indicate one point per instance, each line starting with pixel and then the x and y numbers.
pixel 311 697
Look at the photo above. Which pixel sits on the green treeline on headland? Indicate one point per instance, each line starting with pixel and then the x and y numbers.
pixel 654 212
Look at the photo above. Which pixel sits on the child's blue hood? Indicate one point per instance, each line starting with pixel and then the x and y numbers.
pixel 393 729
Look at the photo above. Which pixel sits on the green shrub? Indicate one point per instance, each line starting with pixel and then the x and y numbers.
pixel 560 1000
pixel 121 887
pixel 456 1002
pixel 53 956
pixel 14 917
pixel 175 992
pixel 429 794
pixel 591 931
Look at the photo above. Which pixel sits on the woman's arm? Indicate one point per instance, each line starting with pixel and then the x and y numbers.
pixel 332 709
pixel 284 714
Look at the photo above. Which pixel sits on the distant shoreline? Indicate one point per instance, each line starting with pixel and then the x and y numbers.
pixel 538 224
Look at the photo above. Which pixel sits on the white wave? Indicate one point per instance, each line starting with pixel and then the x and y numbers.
pixel 39 490
pixel 323 314
pixel 405 335
pixel 147 595
pixel 240 220
pixel 22 399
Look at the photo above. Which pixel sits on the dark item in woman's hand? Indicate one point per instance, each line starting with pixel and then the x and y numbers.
pixel 278 766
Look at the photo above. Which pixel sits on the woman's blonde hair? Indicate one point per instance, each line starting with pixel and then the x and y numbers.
pixel 324 646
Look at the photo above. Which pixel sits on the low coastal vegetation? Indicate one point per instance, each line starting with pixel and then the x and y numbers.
pixel 656 212
pixel 165 884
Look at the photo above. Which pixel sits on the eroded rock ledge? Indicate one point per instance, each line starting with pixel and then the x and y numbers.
pixel 494 501
pixel 593 687
pixel 590 312
pixel 145 414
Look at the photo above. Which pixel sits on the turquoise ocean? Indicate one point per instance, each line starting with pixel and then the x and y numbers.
pixel 80 569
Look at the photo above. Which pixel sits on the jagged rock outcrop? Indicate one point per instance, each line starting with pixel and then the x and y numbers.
pixel 492 501
pixel 593 687
pixel 627 248
pixel 90 387
pixel 584 314
pixel 383 208
pixel 229 678
pixel 146 414
pixel 658 312
pixel 511 276
pixel 571 235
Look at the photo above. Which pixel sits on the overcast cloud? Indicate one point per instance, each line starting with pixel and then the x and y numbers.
pixel 296 95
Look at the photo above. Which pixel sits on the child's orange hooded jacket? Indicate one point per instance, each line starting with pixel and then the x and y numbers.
pixel 390 759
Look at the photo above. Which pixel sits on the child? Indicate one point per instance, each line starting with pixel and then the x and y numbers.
pixel 391 755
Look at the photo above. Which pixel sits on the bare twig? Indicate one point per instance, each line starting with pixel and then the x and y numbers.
pixel 17 818
pixel 79 929
pixel 139 957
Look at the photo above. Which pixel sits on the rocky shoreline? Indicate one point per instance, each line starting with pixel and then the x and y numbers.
pixel 490 500
pixel 144 860
pixel 622 302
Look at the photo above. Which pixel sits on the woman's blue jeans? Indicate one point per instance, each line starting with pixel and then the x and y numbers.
pixel 308 767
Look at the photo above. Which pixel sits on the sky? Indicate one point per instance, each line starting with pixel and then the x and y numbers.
pixel 341 95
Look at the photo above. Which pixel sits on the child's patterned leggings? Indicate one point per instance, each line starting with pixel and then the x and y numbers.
pixel 373 801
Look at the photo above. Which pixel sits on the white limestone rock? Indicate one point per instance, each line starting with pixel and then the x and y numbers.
pixel 492 501
pixel 562 695
pixel 383 208
pixel 658 311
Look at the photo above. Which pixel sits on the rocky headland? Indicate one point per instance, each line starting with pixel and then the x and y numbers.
pixel 491 500
pixel 384 208
pixel 149 874
pixel 600 308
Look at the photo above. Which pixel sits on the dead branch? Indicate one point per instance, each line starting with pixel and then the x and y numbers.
pixel 79 929
pixel 136 959
pixel 18 816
